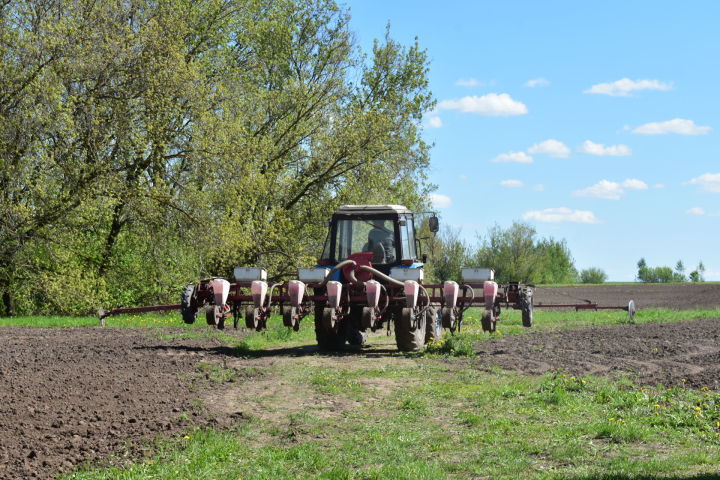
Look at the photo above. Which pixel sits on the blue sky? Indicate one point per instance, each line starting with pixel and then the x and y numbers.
pixel 595 122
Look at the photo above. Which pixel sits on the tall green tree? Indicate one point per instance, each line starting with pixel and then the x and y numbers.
pixel 146 143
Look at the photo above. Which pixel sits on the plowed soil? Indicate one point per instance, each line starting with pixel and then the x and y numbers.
pixel 76 395
pixel 686 296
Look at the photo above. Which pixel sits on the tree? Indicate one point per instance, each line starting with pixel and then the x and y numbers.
pixel 593 275
pixel 517 256
pixel 144 144
pixel 697 275
pixel 450 255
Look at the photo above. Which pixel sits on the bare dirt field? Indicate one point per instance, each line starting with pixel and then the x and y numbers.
pixel 75 395
pixel 687 296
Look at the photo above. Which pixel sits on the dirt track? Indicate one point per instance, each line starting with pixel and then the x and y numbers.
pixel 73 395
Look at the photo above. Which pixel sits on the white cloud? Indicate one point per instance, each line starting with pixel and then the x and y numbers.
pixel 634 184
pixel 695 211
pixel 551 147
pixel 513 157
pixel 539 187
pixel 512 183
pixel 491 105
pixel 434 122
pixel 561 214
pixel 592 148
pixel 440 201
pixel 467 82
pixel 709 182
pixel 611 190
pixel 603 189
pixel 537 82
pixel 679 126
pixel 624 86
pixel 658 185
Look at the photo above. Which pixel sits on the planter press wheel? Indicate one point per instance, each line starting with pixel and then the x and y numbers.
pixel 447 317
pixel 290 318
pixel 488 321
pixel 211 316
pixel 329 322
pixel 251 318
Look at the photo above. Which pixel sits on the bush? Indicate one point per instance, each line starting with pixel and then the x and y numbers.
pixel 593 275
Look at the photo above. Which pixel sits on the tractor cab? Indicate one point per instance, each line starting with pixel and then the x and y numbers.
pixel 384 235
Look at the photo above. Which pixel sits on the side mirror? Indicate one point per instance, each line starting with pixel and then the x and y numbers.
pixel 434 224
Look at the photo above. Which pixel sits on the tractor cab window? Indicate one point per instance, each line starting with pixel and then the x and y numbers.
pixel 376 236
pixel 407 239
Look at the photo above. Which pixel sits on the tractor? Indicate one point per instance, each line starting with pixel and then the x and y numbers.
pixel 369 276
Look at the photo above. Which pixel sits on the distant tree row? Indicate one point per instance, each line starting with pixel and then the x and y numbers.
pixel 666 274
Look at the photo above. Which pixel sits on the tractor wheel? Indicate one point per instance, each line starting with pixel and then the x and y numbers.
pixel 327 338
pixel 409 334
pixel 433 325
pixel 527 311
pixel 354 331
pixel 188 304
pixel 488 321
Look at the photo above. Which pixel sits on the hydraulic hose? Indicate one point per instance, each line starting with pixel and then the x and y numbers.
pixel 337 267
pixel 382 276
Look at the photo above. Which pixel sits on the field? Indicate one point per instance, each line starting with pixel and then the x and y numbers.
pixel 582 395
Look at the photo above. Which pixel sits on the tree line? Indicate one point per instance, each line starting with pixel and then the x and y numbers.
pixel 145 144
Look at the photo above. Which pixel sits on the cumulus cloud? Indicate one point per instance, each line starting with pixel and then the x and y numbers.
pixel 552 147
pixel 592 148
pixel 561 214
pixel 679 126
pixel 439 200
pixel 512 183
pixel 537 82
pixel 434 122
pixel 709 182
pixel 490 105
pixel 695 211
pixel 467 82
pixel 624 87
pixel 608 190
pixel 513 157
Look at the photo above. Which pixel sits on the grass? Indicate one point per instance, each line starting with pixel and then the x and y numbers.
pixel 459 423
pixel 122 321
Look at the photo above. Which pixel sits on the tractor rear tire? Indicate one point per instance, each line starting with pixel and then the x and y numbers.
pixel 328 339
pixel 409 334
pixel 188 304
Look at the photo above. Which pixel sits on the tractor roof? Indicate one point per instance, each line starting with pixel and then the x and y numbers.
pixel 371 209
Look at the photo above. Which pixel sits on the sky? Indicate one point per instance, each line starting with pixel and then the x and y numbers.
pixel 594 122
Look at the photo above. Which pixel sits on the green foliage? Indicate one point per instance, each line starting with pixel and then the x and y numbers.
pixel 593 275
pixel 146 144
pixel 517 256
pixel 450 254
